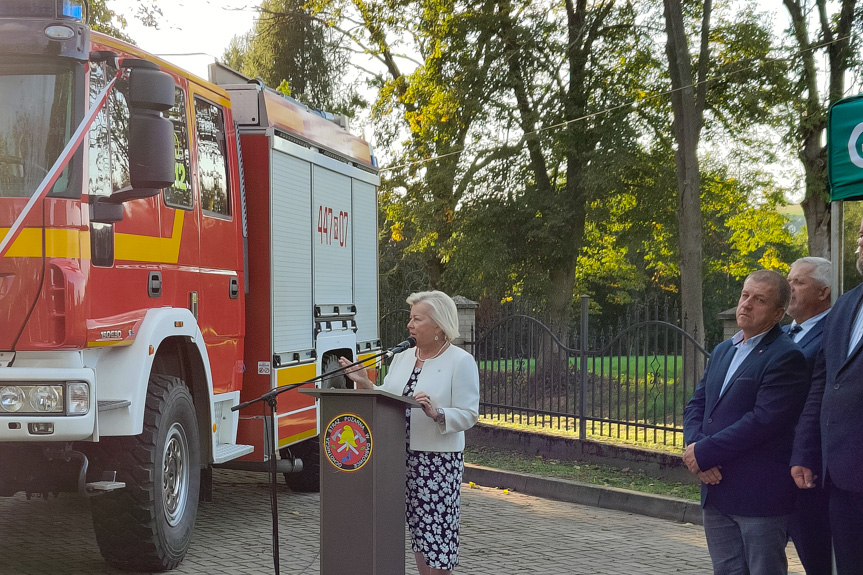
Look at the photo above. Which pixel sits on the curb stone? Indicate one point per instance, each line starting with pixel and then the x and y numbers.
pixel 659 506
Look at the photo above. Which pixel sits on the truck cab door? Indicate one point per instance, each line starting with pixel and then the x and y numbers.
pixel 221 298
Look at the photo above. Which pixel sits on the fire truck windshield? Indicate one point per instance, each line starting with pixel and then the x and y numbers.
pixel 36 122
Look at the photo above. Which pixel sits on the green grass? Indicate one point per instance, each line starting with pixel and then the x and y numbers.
pixel 596 431
pixel 584 473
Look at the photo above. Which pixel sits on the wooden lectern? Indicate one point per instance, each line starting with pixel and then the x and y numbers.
pixel 363 472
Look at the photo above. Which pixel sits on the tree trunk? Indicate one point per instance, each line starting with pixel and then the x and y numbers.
pixel 688 109
pixel 817 213
pixel 813 121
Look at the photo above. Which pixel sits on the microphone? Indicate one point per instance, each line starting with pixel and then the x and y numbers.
pixel 406 344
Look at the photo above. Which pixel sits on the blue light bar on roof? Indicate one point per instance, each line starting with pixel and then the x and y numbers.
pixel 43 9
pixel 73 9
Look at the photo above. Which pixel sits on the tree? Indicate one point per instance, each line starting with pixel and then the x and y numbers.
pixel 688 102
pixel 836 40
pixel 103 19
pixel 292 50
pixel 108 21
pixel 433 64
pixel 572 89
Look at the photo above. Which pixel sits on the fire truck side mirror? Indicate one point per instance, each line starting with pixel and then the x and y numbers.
pixel 151 150
pixel 149 89
pixel 151 135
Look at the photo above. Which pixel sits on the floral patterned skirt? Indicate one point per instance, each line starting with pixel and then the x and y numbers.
pixel 433 498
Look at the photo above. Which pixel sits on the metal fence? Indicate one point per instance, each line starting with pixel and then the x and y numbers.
pixel 631 382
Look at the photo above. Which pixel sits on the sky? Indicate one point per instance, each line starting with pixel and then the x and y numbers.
pixel 196 33
pixel 200 27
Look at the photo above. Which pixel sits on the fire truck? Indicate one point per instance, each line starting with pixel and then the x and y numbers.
pixel 169 248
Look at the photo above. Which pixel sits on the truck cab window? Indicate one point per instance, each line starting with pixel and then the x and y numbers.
pixel 180 194
pixel 100 159
pixel 212 158
pixel 109 137
pixel 36 120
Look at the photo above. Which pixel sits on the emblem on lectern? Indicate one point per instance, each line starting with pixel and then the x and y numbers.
pixel 348 442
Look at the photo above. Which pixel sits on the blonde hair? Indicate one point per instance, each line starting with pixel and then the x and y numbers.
pixel 442 310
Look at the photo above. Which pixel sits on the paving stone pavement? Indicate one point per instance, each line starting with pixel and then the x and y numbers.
pixel 502 534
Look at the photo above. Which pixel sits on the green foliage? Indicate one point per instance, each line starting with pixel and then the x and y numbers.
pixel 748 82
pixel 105 20
pixel 292 49
pixel 531 150
pixel 851 229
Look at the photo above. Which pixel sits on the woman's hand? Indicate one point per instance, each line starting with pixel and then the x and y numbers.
pixel 425 402
pixel 357 374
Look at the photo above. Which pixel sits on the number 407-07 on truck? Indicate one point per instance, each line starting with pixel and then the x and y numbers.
pixel 169 248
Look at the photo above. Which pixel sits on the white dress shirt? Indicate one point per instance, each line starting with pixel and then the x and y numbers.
pixel 857 330
pixel 742 349
pixel 807 325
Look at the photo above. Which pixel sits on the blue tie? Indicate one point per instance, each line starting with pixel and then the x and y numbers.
pixel 795 329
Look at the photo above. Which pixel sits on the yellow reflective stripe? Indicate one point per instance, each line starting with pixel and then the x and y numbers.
pixel 62 243
pixel 108 343
pixel 297 437
pixel 59 243
pixel 296 374
pixel 75 244
pixel 134 248
pixel 28 244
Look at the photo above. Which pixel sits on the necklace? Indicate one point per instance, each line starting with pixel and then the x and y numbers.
pixel 440 351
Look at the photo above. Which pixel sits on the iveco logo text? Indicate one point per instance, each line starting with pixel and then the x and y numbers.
pixel 852 145
pixel 112 334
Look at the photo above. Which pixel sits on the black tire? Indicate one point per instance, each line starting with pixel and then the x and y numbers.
pixel 147 526
pixel 309 479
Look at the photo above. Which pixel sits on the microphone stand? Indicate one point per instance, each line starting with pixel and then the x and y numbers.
pixel 270 398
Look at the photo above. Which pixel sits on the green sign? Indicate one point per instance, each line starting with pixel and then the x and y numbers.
pixel 845 149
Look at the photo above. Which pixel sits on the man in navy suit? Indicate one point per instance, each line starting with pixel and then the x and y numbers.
pixel 739 428
pixel 809 526
pixel 832 426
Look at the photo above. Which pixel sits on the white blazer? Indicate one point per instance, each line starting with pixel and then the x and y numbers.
pixel 451 381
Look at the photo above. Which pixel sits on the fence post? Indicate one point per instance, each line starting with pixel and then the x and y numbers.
pixel 466 323
pixel 582 353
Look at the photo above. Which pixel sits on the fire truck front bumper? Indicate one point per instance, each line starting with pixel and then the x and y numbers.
pixel 47 404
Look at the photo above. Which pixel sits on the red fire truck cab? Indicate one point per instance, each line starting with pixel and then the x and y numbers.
pixel 169 248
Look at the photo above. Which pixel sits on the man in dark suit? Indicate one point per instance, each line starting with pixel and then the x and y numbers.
pixel 739 428
pixel 832 426
pixel 809 526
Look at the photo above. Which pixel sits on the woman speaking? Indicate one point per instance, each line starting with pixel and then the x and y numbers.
pixel 444 381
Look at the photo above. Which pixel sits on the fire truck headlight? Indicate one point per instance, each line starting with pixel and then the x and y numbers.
pixel 44 399
pixel 77 398
pixel 11 398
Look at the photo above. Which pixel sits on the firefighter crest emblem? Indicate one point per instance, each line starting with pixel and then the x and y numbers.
pixel 348 442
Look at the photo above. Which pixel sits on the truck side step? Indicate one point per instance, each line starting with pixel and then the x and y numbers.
pixel 228 451
pixel 104 486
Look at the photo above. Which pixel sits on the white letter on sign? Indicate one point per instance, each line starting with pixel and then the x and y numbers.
pixel 852 145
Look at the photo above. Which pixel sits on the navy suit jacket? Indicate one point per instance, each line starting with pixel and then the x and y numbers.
pixel 749 429
pixel 811 342
pixel 811 345
pixel 832 420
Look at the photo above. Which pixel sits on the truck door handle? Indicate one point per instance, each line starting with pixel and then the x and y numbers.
pixel 234 288
pixel 154 284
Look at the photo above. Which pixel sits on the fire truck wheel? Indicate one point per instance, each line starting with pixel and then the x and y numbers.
pixel 147 525
pixel 309 479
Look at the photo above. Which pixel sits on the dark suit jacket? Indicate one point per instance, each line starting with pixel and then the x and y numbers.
pixel 832 420
pixel 811 342
pixel 749 430
pixel 811 345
